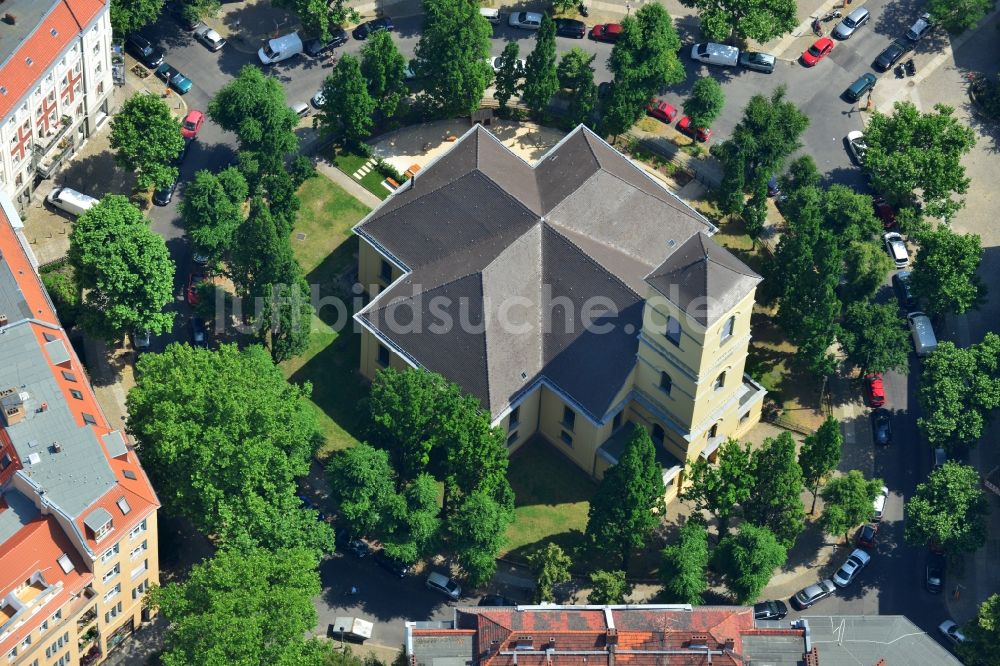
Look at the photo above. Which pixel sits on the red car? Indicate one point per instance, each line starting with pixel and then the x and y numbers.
pixel 817 51
pixel 192 124
pixel 884 212
pixel 875 389
pixel 607 32
pixel 703 134
pixel 191 293
pixel 661 110
pixel 865 538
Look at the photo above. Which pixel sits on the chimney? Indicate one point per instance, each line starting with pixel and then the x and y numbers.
pixel 3 319
pixel 11 407
pixel 57 447
pixel 729 645
pixel 812 657
pixel 698 642
pixel 612 637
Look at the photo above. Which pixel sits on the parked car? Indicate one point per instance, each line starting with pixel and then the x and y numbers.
pixel 864 83
pixel 878 506
pixel 922 330
pixel 875 389
pixel 866 535
pixel 896 247
pixel 141 340
pixel 951 631
pixel 940 457
pixel 606 32
pixel 711 53
pixel 165 195
pixel 773 187
pixel 496 600
pixel 280 49
pixel 191 291
pixel 396 567
pixel 210 38
pixel 525 20
pixel 570 28
pixel 934 573
pixel 308 504
pixel 192 123
pixel 172 77
pixel 703 134
pixel 368 27
pixel 819 50
pixel 495 64
pixel 69 200
pixel 446 586
pixel 920 28
pixel 814 593
pixel 881 427
pixel 892 53
pixel 846 28
pixel 661 110
pixel 759 62
pixel 319 47
pixel 904 293
pixel 884 212
pixel 770 610
pixel 199 334
pixel 846 574
pixel 144 51
pixel 347 542
pixel 319 99
pixel 857 147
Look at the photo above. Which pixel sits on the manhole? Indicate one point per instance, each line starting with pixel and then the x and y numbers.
pixel 300 236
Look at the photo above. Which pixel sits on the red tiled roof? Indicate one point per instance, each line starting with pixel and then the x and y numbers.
pixel 68 18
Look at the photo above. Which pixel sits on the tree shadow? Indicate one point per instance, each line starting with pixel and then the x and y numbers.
pixel 895 18
pixel 97 169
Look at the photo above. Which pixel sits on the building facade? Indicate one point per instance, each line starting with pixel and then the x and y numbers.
pixel 78 531
pixel 55 83
pixel 577 299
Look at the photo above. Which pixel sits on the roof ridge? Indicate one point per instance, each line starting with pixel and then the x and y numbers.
pixel 442 285
pixel 588 258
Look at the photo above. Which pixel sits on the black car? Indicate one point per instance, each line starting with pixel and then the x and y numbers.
pixel 308 504
pixel 317 47
pixel 934 575
pixel 881 427
pixel 144 51
pixel 770 610
pixel 496 600
pixel 396 567
pixel 570 28
pixel 199 334
pixel 891 54
pixel 904 292
pixel 362 31
pixel 165 195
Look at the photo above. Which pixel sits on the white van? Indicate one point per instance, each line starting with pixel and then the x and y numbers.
pixel 924 340
pixel 71 201
pixel 491 14
pixel 280 48
pixel 711 53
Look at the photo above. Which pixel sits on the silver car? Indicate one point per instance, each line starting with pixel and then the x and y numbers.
pixel 851 23
pixel 209 38
pixel 759 62
pixel 920 28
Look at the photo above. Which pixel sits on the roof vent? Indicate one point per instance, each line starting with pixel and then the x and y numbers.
pixel 671 243
pixel 524 643
pixel 54 32
pixel 3 90
pixel 9 19
pixel 57 447
pixel 12 406
pixel 3 319
pixel 34 458
pixel 29 62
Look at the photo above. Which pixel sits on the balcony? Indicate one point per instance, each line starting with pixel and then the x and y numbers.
pixel 49 153
pixel 87 618
pixel 88 639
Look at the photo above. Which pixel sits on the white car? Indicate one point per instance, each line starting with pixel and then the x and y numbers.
pixel 209 38
pixel 951 631
pixel 896 247
pixel 318 99
pixel 410 72
pixel 880 505
pixel 920 28
pixel 525 20
pixel 495 64
pixel 846 574
pixel 856 144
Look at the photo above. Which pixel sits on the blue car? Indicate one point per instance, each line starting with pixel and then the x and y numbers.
pixel 173 78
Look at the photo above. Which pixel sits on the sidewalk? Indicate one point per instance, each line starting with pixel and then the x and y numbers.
pixel 350 185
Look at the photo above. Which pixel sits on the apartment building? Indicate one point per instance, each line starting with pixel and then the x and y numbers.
pixel 78 532
pixel 577 299
pixel 55 83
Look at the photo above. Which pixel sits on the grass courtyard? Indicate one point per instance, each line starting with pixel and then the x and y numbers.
pixel 351 162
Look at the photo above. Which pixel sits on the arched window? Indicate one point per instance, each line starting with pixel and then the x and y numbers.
pixel 713 432
pixel 673 331
pixel 720 381
pixel 727 329
pixel 666 383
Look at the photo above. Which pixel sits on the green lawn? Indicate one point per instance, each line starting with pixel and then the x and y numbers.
pixel 372 181
pixel 327 254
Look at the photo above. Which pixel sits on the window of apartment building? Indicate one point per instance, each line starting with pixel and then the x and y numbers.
pixel 713 432
pixel 515 418
pixel 76 394
pixel 97 48
pixel 65 80
pixel 109 553
pixel 658 433
pixel 68 376
pixel 666 383
pixel 5 461
pixel 76 67
pixel 511 438
pixel 383 356
pixel 26 642
pixel 138 550
pixel 100 88
pixel 566 438
pixel 727 329
pixel 569 418
pixel 64 660
pixel 720 381
pixel 112 572
pixel 139 570
pixel 97 69
pixel 113 613
pixel 104 530
pixel 673 331
pixel 88 419
pixel 137 530
pixel 51 96
pixel 57 645
pixel 38 111
pixel 12 655
pixel 140 589
pixel 112 593
pixel 617 422
pixel 385 271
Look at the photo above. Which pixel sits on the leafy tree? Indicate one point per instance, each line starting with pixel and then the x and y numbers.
pixel 541 80
pixel 983 635
pixel 721 487
pixel 944 272
pixel 572 65
pixel 732 199
pixel 849 215
pixel 124 269
pixel 875 338
pixel 318 16
pixel 212 210
pixel 253 106
pixel 224 438
pixel 415 521
pixel 802 172
pixel 147 139
pixel 65 294
pixel 910 150
pixel 584 100
pixel 848 502
pixel 683 566
pixel 820 455
pixel 629 502
pixel 755 210
pixel 563 5
pixel 478 532
pixel 608 587
pixel 956 16
pixel 362 487
pixel 776 502
pixel 949 510
pixel 383 67
pixel 453 56
pixel 289 311
pixel 244 607
pixel 346 112
pixel 728 20
pixel 959 389
pixel 261 255
pixel 127 16
pixel 551 567
pixel 747 560
pixel 472 456
pixel 705 103
pixel 866 266
pixel 508 76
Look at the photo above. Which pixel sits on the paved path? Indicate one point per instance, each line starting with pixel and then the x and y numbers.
pixel 352 186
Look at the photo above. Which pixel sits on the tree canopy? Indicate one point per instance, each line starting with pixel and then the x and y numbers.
pixel 958 15
pixel 983 635
pixel 948 510
pixel 683 564
pixel 147 139
pixel 820 455
pixel 747 560
pixel 776 502
pixel 874 337
pixel 124 268
pixel 383 67
pixel 705 103
pixel 541 80
pixel 347 108
pixel 362 487
pixel 477 530
pixel 318 16
pixel 849 502
pixel 212 210
pixel 127 16
pixel 727 20
pixel 720 488
pixel 608 587
pixel 866 265
pixel 944 276
pixel 551 567
pixel 509 75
